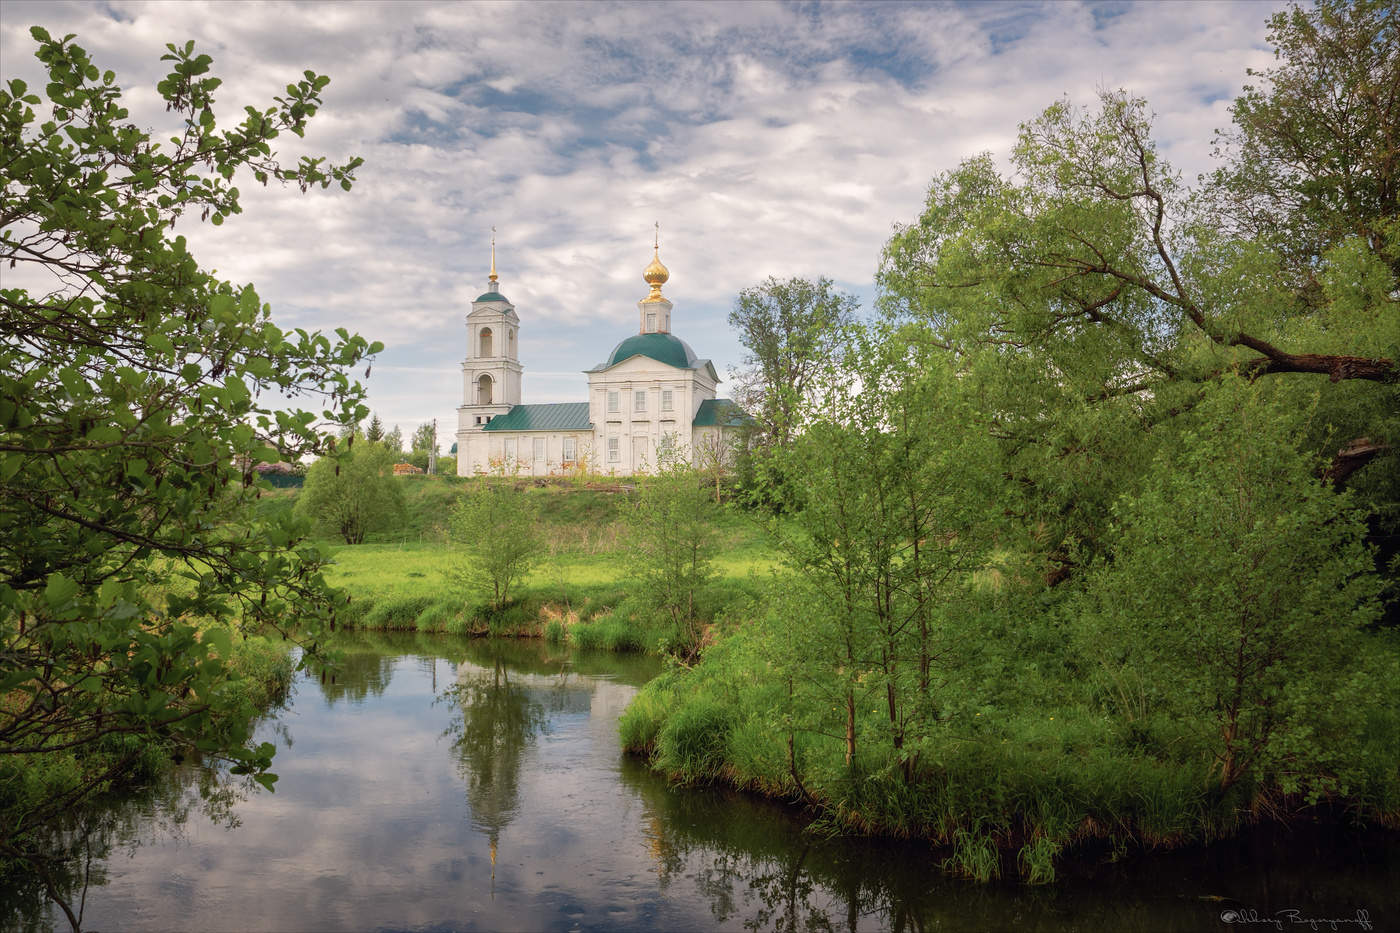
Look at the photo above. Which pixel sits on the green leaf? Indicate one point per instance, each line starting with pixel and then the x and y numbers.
pixel 218 639
pixel 160 343
pixel 59 591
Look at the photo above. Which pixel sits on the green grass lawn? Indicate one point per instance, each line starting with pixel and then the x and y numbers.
pixel 399 578
pixel 378 571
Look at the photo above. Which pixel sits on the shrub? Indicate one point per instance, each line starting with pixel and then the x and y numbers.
pixel 608 633
pixel 397 612
pixel 496 526
pixel 691 744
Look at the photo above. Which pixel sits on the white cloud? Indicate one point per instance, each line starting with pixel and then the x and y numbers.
pixel 767 139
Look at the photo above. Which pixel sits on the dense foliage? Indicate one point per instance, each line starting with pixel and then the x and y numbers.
pixel 1085 533
pixel 134 410
pixel 790 329
pixel 351 492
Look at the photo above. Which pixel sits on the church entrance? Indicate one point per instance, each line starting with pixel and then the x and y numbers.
pixel 639 455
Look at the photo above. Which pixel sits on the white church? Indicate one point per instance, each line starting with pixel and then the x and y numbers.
pixel 652 395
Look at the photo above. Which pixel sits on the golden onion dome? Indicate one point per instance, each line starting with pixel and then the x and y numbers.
pixel 655 275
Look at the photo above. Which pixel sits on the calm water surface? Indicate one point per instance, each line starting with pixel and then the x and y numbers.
pixel 442 783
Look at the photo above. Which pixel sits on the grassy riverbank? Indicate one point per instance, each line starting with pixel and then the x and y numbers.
pixel 400 579
pixel 1021 770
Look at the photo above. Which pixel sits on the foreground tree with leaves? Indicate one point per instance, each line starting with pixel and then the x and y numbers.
pixel 789 328
pixel 672 546
pixel 892 522
pixel 1234 599
pixel 131 423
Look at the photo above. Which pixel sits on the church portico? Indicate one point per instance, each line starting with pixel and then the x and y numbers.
pixel 651 396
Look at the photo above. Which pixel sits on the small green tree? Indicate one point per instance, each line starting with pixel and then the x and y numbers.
pixel 496 528
pixel 422 446
pixel 424 437
pixel 352 494
pixel 791 329
pixel 672 542
pixel 375 432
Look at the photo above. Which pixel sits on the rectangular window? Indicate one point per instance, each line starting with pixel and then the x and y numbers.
pixel 570 452
pixel 666 399
pixel 539 448
pixel 614 402
pixel 614 450
pixel 651 322
pixel 640 404
pixel 508 448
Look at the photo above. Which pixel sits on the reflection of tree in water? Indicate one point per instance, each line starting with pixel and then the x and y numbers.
pixel 499 720
pixel 78 846
pixel 753 860
pixel 758 868
pixel 353 676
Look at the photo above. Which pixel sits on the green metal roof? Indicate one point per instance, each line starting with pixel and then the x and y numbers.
pixel 493 296
pixel 722 412
pixel 664 348
pixel 561 416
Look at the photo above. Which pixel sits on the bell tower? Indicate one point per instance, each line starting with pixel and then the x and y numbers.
pixel 491 372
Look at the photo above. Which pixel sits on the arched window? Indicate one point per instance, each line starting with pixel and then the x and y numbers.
pixel 483 390
pixel 485 341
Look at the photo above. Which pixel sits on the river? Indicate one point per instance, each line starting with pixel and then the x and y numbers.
pixel 443 783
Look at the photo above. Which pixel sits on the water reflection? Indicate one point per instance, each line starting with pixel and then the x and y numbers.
pixel 451 783
pixel 356 674
pixel 81 845
pixel 759 867
pixel 495 722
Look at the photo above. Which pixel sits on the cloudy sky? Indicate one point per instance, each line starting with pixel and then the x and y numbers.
pixel 766 139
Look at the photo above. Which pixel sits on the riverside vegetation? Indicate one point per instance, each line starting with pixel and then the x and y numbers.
pixel 1089 539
